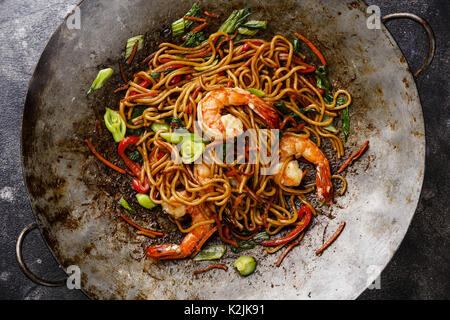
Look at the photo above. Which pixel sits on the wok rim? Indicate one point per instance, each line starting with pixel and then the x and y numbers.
pixel 28 97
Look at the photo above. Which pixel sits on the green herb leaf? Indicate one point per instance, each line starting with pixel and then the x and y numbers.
pixel 345 124
pixel 194 39
pixel 296 45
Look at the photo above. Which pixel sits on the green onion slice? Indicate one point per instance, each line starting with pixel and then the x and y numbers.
pixel 115 124
pixel 124 203
pixel 145 201
pixel 256 92
pixel 100 80
pixel 130 45
pixel 211 253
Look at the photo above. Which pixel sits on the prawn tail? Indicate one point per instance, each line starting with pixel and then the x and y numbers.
pixel 324 184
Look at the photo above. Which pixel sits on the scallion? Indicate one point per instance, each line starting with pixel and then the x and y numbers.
pixel 100 80
pixel 115 124
pixel 256 92
pixel 235 20
pixel 124 203
pixel 131 42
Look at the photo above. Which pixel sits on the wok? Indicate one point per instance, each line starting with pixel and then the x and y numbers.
pixel 68 187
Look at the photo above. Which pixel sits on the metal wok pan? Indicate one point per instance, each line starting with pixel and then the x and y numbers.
pixel 68 187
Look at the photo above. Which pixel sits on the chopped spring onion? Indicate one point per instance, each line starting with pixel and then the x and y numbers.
pixel 159 126
pixel 212 65
pixel 145 201
pixel 246 265
pixel 256 92
pixel 254 24
pixel 345 119
pixel 235 20
pixel 191 150
pixel 211 253
pixel 247 31
pixel 124 203
pixel 131 42
pixel 100 80
pixel 115 124
pixel 179 26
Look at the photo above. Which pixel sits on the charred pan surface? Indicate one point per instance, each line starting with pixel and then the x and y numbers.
pixel 68 187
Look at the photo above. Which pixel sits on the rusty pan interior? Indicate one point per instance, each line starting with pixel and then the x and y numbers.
pixel 68 187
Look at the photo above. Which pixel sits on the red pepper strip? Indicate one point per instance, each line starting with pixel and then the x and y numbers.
pixel 194 19
pixel 331 240
pixel 99 127
pixel 134 167
pixel 125 87
pixel 123 145
pixel 313 48
pixel 226 232
pixel 285 252
pixel 245 47
pixel 146 60
pixel 285 121
pixel 209 14
pixel 305 212
pixel 176 79
pixel 354 156
pixel 109 164
pixel 200 27
pixel 213 266
pixel 139 187
pixel 140 228
pixel 309 68
pixel 122 73
pixel 143 84
pixel 133 53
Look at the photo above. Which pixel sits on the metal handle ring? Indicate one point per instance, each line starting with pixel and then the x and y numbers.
pixel 428 29
pixel 23 266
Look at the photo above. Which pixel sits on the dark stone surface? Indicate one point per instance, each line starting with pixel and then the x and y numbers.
pixel 419 269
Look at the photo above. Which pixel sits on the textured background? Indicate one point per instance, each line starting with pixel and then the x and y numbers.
pixel 420 268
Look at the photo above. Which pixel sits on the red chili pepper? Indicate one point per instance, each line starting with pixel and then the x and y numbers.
pixel 176 79
pixel 137 185
pixel 134 167
pixel 305 213
pixel 246 47
pixel 143 84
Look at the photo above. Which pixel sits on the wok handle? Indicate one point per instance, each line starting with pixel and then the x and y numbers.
pixel 23 266
pixel 428 29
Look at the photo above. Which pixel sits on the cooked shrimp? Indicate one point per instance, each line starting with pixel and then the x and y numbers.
pixel 293 145
pixel 214 124
pixel 195 239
